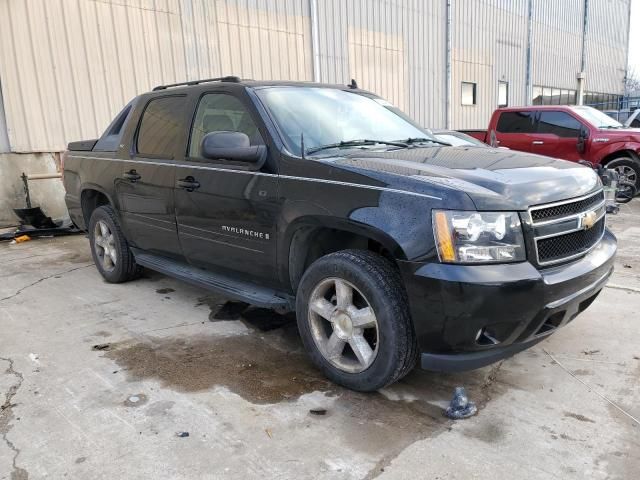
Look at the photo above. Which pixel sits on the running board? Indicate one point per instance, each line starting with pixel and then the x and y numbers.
pixel 219 283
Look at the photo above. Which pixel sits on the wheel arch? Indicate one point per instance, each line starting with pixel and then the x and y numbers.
pixel 312 237
pixel 92 197
pixel 614 152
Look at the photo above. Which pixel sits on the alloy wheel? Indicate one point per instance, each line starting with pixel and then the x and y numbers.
pixel 343 325
pixel 105 246
pixel 627 173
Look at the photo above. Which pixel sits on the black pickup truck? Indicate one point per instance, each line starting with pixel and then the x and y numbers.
pixel 391 246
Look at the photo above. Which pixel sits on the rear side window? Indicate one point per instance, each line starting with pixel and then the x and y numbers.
pixel 515 122
pixel 559 123
pixel 110 139
pixel 161 126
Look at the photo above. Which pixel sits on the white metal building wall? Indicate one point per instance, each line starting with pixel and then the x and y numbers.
pixel 606 46
pixel 489 45
pixel 68 66
pixel 392 47
pixel 556 43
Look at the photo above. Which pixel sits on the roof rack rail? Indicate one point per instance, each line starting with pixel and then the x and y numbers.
pixel 230 78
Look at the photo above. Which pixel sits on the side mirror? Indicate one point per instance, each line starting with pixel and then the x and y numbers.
pixel 581 146
pixel 232 146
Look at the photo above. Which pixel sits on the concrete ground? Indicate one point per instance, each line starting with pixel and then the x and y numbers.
pixel 103 381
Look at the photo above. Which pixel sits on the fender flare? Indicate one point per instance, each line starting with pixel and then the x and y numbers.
pixel 617 147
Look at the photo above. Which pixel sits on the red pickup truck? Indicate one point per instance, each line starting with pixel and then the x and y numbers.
pixel 567 132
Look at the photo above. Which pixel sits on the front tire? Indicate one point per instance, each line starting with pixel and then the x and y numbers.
pixel 354 320
pixel 627 167
pixel 109 248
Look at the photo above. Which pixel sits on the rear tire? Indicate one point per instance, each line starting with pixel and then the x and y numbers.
pixel 354 321
pixel 627 166
pixel 109 248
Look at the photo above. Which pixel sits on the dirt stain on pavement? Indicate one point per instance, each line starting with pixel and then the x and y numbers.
pixel 269 366
pixel 253 368
pixel 165 290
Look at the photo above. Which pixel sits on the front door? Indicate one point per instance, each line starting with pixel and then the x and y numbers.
pixel 228 221
pixel 145 190
pixel 557 135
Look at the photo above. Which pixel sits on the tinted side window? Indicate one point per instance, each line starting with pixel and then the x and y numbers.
pixel 559 123
pixel 515 122
pixel 161 126
pixel 110 139
pixel 219 112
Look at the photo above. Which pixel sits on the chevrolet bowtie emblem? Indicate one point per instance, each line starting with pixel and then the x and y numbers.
pixel 589 220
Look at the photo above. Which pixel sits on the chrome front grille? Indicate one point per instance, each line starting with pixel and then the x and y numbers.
pixel 566 230
pixel 543 213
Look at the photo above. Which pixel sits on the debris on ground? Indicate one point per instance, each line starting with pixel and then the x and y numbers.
pixel 626 265
pixel 136 400
pixel 182 434
pixel 590 352
pixel 101 346
pixel 318 411
pixel 268 432
pixel 20 239
pixel 460 406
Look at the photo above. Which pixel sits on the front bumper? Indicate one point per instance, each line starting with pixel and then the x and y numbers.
pixel 469 316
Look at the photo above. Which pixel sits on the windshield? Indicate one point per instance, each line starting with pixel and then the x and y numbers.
pixel 329 116
pixel 597 118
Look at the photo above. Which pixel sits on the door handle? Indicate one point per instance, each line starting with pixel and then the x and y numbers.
pixel 132 176
pixel 537 142
pixel 189 184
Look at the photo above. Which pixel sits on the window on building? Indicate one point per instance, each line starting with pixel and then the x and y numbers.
pixel 515 122
pixel 218 112
pixel 503 94
pixel 559 123
pixel 537 95
pixel 468 93
pixel 161 126
pixel 552 96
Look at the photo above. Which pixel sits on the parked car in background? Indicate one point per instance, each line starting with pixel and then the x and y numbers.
pixel 567 132
pixel 457 139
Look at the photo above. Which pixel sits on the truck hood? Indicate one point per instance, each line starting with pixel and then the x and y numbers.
pixel 494 179
pixel 626 134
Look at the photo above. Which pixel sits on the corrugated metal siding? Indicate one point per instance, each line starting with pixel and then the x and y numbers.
pixel 489 44
pixel 393 48
pixel 69 66
pixel 606 46
pixel 556 43
pixel 4 139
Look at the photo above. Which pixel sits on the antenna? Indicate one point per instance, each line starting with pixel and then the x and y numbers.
pixel 353 84
pixel 302 145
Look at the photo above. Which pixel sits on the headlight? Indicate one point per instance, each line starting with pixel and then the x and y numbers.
pixel 478 237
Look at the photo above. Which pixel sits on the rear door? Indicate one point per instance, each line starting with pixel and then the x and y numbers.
pixel 515 129
pixel 557 135
pixel 145 189
pixel 229 221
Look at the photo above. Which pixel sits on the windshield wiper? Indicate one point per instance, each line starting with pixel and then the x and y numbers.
pixel 354 143
pixel 411 141
pixel 611 126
